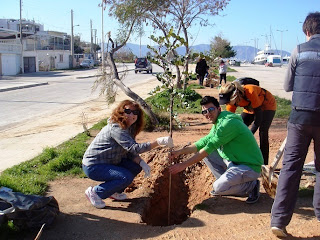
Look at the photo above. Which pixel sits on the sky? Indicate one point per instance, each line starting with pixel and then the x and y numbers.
pixel 242 22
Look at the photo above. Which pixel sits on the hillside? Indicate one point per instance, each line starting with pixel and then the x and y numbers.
pixel 244 53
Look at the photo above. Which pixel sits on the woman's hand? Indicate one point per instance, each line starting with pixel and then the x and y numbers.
pixel 167 141
pixel 146 168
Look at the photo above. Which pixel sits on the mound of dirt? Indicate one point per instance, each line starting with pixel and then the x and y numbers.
pixel 169 199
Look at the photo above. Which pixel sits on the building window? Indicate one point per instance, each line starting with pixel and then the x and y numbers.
pixel 61 57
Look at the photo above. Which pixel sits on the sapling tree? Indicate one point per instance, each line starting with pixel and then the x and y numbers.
pixel 130 15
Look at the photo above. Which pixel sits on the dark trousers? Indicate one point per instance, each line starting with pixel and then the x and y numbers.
pixel 223 76
pixel 201 77
pixel 267 117
pixel 295 152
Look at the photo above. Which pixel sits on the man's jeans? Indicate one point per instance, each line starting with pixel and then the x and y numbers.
pixel 231 179
pixel 115 178
pixel 295 152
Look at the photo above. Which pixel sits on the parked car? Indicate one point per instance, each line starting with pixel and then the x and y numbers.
pixel 232 62
pixel 87 63
pixel 142 64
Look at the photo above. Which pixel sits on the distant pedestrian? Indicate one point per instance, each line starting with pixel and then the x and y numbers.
pixel 201 70
pixel 303 78
pixel 223 72
pixel 259 109
pixel 113 156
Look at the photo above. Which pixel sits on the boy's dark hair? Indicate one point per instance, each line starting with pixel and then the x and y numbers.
pixel 312 24
pixel 208 99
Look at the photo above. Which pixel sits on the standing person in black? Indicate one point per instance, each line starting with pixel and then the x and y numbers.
pixel 201 70
pixel 303 78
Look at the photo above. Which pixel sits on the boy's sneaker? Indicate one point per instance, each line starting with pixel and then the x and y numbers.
pixel 214 194
pixel 255 194
pixel 279 232
pixel 118 196
pixel 94 198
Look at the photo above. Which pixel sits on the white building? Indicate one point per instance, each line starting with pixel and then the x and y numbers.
pixel 40 50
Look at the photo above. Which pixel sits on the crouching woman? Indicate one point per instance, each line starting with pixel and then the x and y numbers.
pixel 113 156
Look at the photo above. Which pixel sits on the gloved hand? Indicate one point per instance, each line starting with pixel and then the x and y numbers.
pixel 145 168
pixel 167 141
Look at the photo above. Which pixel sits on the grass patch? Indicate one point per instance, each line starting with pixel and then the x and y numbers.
pixel 231 78
pixel 187 101
pixel 283 107
pixel 32 177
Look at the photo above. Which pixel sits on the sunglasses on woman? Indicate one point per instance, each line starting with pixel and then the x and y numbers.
pixel 210 109
pixel 128 111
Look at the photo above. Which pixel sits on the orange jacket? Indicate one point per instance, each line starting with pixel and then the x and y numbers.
pixel 255 96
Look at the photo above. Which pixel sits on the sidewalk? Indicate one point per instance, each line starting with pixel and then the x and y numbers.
pixel 8 85
pixel 27 80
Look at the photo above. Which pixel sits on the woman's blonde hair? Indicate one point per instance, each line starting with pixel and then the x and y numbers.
pixel 234 87
pixel 118 116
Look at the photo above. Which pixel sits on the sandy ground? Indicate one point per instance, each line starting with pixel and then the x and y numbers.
pixel 194 214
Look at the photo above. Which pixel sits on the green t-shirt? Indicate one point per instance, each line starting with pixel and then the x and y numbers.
pixel 233 140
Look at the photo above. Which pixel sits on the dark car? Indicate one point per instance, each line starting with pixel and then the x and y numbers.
pixel 143 64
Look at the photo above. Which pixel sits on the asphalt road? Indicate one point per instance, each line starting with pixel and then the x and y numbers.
pixel 65 90
pixel 271 78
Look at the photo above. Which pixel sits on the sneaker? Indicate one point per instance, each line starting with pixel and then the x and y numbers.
pixel 214 194
pixel 118 196
pixel 279 232
pixel 255 194
pixel 94 198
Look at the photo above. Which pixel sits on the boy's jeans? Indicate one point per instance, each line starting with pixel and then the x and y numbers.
pixel 231 179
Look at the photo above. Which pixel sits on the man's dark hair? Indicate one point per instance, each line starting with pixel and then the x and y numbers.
pixel 208 99
pixel 312 24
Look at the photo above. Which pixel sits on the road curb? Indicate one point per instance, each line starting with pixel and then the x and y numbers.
pixel 22 86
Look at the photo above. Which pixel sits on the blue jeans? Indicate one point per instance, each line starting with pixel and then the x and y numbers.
pixel 115 178
pixel 231 179
pixel 295 152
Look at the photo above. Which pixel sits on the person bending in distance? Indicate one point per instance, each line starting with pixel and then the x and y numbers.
pixel 259 109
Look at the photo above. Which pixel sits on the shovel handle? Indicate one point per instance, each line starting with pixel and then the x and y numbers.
pixel 279 155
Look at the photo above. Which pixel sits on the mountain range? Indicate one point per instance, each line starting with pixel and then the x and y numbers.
pixel 244 53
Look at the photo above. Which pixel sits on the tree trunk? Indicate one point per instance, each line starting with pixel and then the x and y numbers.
pixel 138 99
pixel 129 92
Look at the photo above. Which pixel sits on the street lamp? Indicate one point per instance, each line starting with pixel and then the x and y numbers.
pixel 246 50
pixel 255 46
pixel 281 41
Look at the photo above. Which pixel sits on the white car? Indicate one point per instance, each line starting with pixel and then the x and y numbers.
pixel 87 63
pixel 232 62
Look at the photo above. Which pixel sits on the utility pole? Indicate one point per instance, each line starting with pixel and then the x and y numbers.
pixel 246 49
pixel 281 41
pixel 22 63
pixel 95 44
pixel 72 41
pixel 102 48
pixel 91 42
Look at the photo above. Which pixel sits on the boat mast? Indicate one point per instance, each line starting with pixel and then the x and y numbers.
pixel 270 37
